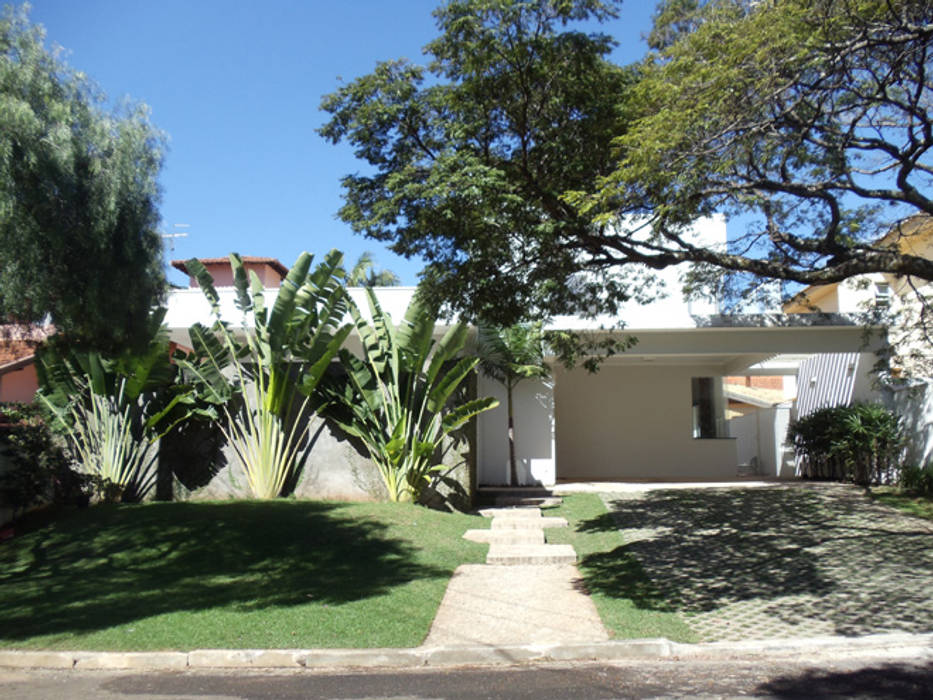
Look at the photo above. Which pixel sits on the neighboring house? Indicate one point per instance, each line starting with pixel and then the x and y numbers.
pixel 18 344
pixel 904 382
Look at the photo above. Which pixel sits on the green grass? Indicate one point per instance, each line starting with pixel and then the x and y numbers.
pixel 231 575
pixel 628 603
pixel 919 506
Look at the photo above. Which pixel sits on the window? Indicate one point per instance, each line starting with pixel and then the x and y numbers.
pixel 707 407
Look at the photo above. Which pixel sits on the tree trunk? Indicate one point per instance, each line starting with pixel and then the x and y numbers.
pixel 513 469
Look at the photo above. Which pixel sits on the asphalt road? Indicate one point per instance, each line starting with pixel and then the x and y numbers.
pixel 844 678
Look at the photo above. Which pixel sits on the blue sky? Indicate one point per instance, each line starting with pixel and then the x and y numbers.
pixel 236 85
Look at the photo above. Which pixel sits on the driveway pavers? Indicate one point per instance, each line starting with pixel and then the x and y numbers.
pixel 779 562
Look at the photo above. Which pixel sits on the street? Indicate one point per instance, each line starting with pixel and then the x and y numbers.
pixel 875 677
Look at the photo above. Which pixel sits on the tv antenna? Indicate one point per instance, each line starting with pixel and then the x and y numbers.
pixel 176 233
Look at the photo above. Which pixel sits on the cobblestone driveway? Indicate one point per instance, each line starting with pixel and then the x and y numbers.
pixel 787 561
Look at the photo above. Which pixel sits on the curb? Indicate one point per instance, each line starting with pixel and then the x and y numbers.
pixel 637 649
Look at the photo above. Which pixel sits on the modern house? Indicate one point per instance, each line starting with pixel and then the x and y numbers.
pixel 657 411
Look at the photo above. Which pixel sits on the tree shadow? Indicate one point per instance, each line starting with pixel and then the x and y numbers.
pixel 802 553
pixel 888 680
pixel 112 565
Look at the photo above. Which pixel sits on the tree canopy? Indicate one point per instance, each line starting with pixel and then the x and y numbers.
pixel 536 177
pixel 811 120
pixel 78 198
pixel 472 153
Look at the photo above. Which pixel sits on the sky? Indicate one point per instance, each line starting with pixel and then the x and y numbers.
pixel 236 85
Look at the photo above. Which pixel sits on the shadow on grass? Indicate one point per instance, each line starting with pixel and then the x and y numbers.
pixel 802 553
pixel 882 681
pixel 113 564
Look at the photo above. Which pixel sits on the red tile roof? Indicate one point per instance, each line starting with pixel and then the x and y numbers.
pixel 274 263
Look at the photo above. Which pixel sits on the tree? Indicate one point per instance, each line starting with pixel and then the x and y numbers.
pixel 365 274
pixel 812 118
pixel 78 198
pixel 471 155
pixel 530 172
pixel 400 399
pixel 510 355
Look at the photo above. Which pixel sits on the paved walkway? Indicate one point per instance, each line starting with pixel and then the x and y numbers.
pixel 786 561
pixel 528 592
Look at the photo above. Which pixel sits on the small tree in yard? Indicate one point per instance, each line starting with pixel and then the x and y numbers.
pixel 510 355
pixel 397 398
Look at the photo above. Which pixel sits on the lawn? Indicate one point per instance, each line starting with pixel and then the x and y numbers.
pixel 920 506
pixel 282 574
pixel 629 605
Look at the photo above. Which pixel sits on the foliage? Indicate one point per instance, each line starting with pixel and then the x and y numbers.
pixel 861 443
pixel 107 444
pixel 289 348
pixel 38 471
pixel 538 178
pixel 510 355
pixel 470 156
pixel 396 399
pixel 365 274
pixel 112 408
pixel 917 480
pixel 78 198
pixel 810 120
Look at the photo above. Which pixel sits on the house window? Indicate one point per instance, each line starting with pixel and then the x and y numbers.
pixel 707 407
pixel 882 294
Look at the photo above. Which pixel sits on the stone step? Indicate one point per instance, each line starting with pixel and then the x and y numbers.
pixel 516 554
pixel 510 512
pixel 542 502
pixel 531 535
pixel 490 495
pixel 526 523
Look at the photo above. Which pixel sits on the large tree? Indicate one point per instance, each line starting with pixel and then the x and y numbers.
pixel 809 120
pixel 78 198
pixel 529 171
pixel 471 155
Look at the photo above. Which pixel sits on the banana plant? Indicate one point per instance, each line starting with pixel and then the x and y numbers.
pixel 110 409
pixel 282 354
pixel 396 399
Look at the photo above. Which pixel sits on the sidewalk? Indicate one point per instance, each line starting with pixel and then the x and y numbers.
pixel 527 592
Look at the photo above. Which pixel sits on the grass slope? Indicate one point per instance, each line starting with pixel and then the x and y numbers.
pixel 629 605
pixel 231 575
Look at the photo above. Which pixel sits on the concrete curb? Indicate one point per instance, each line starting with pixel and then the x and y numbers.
pixel 634 649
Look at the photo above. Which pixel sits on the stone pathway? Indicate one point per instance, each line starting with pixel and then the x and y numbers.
pixel 786 561
pixel 528 592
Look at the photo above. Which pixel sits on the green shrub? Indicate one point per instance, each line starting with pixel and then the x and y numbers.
pixel 37 469
pixel 860 443
pixel 917 480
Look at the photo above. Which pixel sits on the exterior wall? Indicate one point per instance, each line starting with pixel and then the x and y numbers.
pixel 634 422
pixel 19 385
pixel 533 411
pixel 761 441
pixel 914 403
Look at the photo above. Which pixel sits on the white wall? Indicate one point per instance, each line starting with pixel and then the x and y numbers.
pixel 634 422
pixel 533 411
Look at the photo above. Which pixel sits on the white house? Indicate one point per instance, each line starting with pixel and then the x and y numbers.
pixel 653 412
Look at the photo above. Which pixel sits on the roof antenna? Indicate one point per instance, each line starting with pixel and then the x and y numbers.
pixel 176 233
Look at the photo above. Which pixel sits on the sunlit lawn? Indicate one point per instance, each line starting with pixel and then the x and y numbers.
pixel 920 506
pixel 231 575
pixel 628 603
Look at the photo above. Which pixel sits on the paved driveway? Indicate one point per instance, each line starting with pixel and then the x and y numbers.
pixel 785 561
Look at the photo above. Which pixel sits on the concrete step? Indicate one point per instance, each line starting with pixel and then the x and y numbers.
pixel 516 554
pixel 510 512
pixel 542 502
pixel 526 523
pixel 489 495
pixel 531 535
